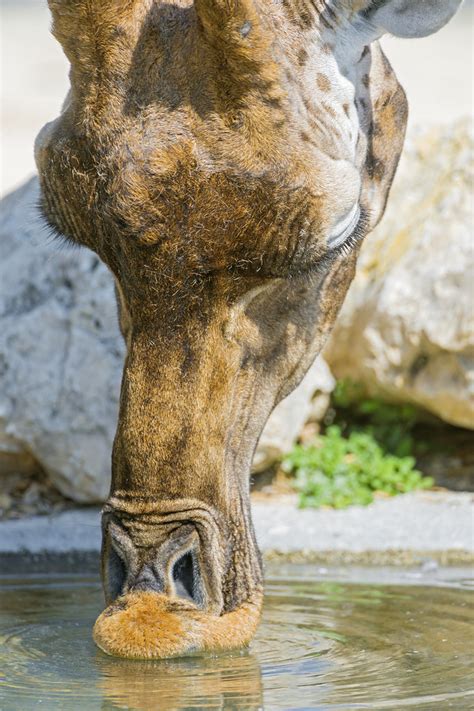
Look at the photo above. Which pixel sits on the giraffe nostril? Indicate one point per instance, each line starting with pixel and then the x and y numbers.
pixel 115 575
pixel 183 576
pixel 119 560
pixel 172 567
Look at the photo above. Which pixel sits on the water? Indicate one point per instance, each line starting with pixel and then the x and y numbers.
pixel 390 642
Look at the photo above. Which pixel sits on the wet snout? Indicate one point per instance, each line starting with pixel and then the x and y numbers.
pixel 150 625
pixel 158 599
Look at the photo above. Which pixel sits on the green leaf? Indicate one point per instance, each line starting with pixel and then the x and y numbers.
pixel 339 471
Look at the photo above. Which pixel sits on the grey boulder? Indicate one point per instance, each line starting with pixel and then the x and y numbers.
pixel 406 330
pixel 60 353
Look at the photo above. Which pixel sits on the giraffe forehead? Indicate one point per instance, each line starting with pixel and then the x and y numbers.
pixel 332 82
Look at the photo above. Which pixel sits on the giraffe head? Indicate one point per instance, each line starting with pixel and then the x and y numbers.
pixel 224 160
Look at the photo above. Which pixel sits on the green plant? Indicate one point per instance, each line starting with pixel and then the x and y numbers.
pixel 390 424
pixel 339 471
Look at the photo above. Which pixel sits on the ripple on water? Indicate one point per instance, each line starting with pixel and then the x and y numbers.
pixel 321 645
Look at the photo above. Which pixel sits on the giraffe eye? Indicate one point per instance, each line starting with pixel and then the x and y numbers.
pixel 344 228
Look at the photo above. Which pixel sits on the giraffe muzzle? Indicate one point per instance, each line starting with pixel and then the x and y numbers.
pixel 159 603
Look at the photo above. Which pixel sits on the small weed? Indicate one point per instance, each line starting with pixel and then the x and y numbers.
pixel 340 471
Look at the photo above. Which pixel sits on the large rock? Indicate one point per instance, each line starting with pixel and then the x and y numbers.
pixel 406 329
pixel 60 353
pixel 61 359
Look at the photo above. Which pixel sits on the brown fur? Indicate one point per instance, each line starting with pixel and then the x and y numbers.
pixel 205 157
pixel 147 625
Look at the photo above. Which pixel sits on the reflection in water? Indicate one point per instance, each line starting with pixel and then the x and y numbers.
pixel 225 682
pixel 322 645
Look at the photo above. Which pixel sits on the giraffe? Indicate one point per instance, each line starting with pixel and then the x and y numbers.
pixel 225 159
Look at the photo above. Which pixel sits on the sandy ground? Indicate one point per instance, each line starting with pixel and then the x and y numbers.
pixel 436 73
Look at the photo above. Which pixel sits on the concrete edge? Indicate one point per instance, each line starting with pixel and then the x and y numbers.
pixel 402 531
pixel 88 562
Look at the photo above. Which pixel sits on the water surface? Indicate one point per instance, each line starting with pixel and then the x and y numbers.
pixel 323 644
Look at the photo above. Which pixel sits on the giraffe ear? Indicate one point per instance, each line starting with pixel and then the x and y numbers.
pixel 411 18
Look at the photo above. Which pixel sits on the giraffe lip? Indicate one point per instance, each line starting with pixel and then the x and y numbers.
pixel 344 228
pixel 149 625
